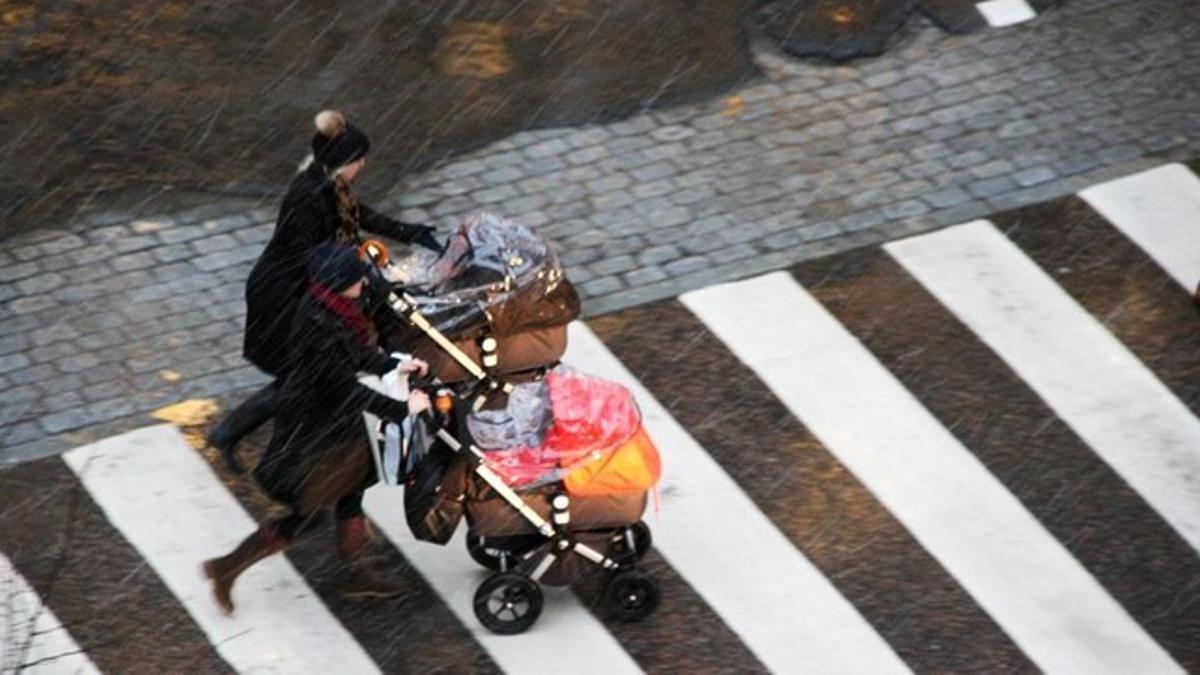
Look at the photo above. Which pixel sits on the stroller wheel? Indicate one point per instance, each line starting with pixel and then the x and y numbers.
pixel 508 603
pixel 631 596
pixel 483 554
pixel 641 543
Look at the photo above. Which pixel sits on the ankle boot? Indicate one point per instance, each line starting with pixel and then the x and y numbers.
pixel 225 570
pixel 353 535
pixel 241 422
pixel 360 581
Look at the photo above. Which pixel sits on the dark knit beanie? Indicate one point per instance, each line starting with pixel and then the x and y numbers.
pixel 337 142
pixel 336 266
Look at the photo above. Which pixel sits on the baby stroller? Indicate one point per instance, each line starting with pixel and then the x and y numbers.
pixel 490 317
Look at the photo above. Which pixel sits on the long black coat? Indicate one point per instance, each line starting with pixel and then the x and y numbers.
pixel 320 404
pixel 307 218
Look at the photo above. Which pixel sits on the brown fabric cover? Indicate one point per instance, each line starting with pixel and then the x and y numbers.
pixel 524 351
pixel 495 517
pixel 541 304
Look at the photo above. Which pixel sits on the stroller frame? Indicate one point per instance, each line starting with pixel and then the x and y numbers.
pixel 510 601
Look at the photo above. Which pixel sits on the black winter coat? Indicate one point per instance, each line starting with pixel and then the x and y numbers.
pixel 307 218
pixel 320 401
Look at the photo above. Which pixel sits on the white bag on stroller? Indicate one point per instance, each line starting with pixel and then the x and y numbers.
pixel 396 448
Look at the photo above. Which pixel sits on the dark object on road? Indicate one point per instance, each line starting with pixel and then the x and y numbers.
pixel 835 29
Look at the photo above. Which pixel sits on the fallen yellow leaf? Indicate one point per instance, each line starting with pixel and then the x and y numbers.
pixel 190 413
pixel 733 105
pixel 170 375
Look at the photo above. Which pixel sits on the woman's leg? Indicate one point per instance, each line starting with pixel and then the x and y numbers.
pixel 270 538
pixel 354 533
pixel 241 422
pixel 352 528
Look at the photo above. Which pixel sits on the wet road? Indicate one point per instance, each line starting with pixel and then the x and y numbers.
pixel 921 477
pixel 136 104
pixel 110 96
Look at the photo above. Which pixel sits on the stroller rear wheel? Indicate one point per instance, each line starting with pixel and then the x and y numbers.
pixel 641 543
pixel 508 603
pixel 631 596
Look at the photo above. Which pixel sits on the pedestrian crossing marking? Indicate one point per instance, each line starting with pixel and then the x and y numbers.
pixel 166 501
pixel 1000 13
pixel 781 606
pixel 152 487
pixel 1091 381
pixel 1050 606
pixel 1159 210
pixel 32 639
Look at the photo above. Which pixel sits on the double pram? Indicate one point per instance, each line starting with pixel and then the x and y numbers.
pixel 547 502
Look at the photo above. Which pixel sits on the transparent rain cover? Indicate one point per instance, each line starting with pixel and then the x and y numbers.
pixel 591 418
pixel 492 271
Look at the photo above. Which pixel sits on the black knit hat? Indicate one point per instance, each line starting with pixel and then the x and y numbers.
pixel 337 142
pixel 336 266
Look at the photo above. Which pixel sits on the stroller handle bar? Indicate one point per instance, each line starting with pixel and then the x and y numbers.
pixel 405 306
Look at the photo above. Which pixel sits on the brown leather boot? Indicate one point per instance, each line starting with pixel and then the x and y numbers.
pixel 361 583
pixel 353 536
pixel 225 570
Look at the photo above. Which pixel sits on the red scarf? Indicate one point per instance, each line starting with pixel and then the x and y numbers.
pixel 346 309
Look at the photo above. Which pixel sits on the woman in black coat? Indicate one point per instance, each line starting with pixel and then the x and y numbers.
pixel 319 456
pixel 319 207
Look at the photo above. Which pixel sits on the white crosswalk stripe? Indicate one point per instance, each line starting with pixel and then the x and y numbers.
pixel 32 640
pixel 1094 384
pixel 1019 573
pixel 1000 13
pixel 798 616
pixel 170 506
pixel 165 500
pixel 1159 210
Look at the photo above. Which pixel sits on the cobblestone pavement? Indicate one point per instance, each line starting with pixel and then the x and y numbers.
pixel 105 320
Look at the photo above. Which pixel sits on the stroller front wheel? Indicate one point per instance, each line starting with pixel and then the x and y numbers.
pixel 642 541
pixel 631 596
pixel 483 554
pixel 508 603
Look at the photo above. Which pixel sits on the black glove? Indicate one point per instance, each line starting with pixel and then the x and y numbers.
pixel 425 237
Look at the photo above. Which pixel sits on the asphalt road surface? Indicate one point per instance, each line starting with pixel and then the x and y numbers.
pixel 975 449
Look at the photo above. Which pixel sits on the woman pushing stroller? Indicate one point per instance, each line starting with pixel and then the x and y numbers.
pixel 319 207
pixel 318 456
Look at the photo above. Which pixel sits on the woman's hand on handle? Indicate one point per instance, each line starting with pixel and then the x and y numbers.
pixel 418 402
pixel 414 366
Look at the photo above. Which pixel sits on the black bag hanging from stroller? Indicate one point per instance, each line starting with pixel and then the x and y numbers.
pixel 434 495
